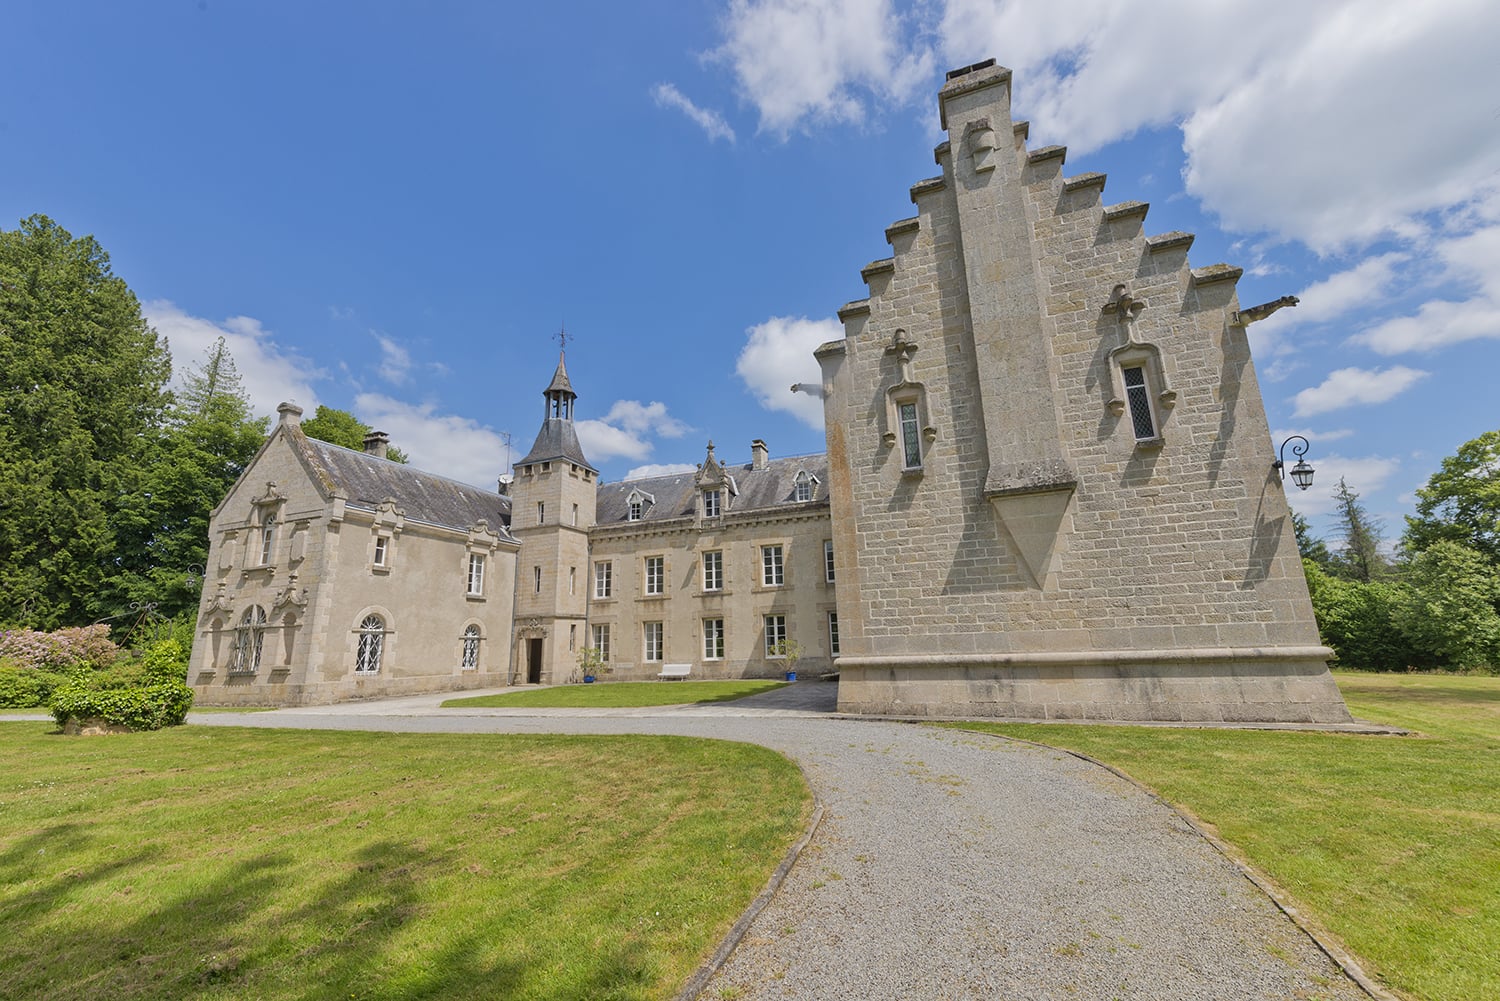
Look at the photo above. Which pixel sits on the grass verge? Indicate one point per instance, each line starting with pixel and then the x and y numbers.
pixel 1392 843
pixel 227 863
pixel 621 695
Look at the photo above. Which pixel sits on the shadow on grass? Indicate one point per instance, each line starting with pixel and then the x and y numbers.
pixel 248 930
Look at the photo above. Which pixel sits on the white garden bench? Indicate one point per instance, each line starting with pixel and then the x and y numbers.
pixel 678 671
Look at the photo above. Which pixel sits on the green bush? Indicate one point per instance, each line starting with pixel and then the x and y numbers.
pixel 1357 620
pixel 165 660
pixel 26 687
pixel 140 707
pixel 1448 607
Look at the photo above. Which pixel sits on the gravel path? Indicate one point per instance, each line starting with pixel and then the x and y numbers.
pixel 953 865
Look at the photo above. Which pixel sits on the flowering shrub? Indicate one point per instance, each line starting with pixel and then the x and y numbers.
pixel 61 650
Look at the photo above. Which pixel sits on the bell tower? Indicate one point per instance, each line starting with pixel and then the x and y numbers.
pixel 552 509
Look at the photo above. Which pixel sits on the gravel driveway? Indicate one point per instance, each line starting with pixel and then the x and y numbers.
pixel 953 865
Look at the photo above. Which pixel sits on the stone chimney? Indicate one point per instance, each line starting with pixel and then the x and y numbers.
pixel 504 488
pixel 760 455
pixel 291 415
pixel 376 443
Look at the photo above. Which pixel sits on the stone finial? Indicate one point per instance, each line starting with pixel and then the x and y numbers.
pixel 290 415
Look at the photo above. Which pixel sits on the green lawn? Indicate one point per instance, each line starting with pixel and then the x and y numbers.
pixel 231 863
pixel 621 695
pixel 1392 843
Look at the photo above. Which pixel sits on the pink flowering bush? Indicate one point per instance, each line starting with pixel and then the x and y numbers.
pixel 61 650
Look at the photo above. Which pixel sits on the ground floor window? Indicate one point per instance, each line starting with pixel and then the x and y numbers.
pixel 833 634
pixel 775 635
pixel 713 639
pixel 471 648
pixel 249 641
pixel 653 641
pixel 601 643
pixel 371 645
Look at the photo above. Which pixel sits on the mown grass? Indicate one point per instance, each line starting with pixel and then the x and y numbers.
pixel 229 863
pixel 1392 843
pixel 621 695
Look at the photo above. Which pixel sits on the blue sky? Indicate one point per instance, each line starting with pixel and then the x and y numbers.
pixel 391 208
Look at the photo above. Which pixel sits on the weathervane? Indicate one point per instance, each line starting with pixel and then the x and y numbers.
pixel 561 337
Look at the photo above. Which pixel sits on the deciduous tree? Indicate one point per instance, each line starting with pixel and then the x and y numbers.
pixel 340 427
pixel 1461 502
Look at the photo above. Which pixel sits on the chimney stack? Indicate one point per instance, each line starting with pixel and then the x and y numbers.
pixel 291 415
pixel 760 455
pixel 376 443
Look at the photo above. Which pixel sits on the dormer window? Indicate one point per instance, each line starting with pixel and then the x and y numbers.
pixel 711 499
pixel 804 486
pixel 636 504
pixel 635 509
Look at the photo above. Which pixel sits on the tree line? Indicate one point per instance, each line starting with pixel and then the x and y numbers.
pixel 1434 602
pixel 107 474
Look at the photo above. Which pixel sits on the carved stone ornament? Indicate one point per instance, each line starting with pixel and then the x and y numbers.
pixel 290 595
pixel 273 495
pixel 220 601
pixel 981 142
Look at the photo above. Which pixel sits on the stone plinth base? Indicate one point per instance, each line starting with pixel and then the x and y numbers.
pixel 1288 685
pixel 276 689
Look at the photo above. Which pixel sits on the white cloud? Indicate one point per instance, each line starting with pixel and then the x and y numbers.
pixel 820 60
pixel 269 373
pixel 711 122
pixel 1365 476
pixel 1279 435
pixel 1349 386
pixel 452 446
pixel 779 353
pixel 395 360
pixel 660 469
pixel 624 430
pixel 1472 264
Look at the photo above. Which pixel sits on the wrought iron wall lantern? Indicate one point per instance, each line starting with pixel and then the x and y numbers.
pixel 1302 473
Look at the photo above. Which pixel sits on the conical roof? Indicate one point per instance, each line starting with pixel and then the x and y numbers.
pixel 560 383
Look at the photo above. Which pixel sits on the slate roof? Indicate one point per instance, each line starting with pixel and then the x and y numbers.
pixel 367 480
pixel 557 440
pixel 763 490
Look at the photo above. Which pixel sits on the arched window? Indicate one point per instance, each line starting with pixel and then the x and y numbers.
pixel 249 638
pixel 371 645
pixel 267 538
pixel 471 648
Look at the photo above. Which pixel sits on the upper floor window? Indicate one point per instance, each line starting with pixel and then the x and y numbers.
pixel 1138 399
pixel 575 514
pixel 828 560
pixel 803 491
pixel 382 549
pixel 713 570
pixel 772 569
pixel 267 537
pixel 656 574
pixel 476 573
pixel 911 440
pixel 711 503
pixel 603 579
pixel 541 512
pixel 572 580
pixel 635 509
pixel 536 580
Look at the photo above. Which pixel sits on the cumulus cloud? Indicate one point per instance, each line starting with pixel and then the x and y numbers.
pixel 626 429
pixel 452 446
pixel 1365 475
pixel 395 360
pixel 711 122
pixel 1471 265
pixel 778 354
pixel 660 469
pixel 269 373
pixel 821 60
pixel 1349 386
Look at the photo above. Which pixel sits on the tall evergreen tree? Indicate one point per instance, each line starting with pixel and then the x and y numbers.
pixel 82 397
pixel 204 447
pixel 1308 545
pixel 1359 558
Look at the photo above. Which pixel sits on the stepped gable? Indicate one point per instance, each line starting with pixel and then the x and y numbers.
pixel 367 481
pixel 755 491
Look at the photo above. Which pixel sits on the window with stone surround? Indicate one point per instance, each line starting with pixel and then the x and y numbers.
pixel 1141 392
pixel 656 575
pixel 833 634
pixel 828 560
pixel 249 641
pixel 804 486
pixel 713 639
pixel 711 503
pixel 601 642
pixel 536 577
pixel 775 636
pixel 603 578
pixel 476 574
pixel 772 567
pixel 713 570
pixel 651 647
pixel 382 550
pixel 1138 402
pixel 267 537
